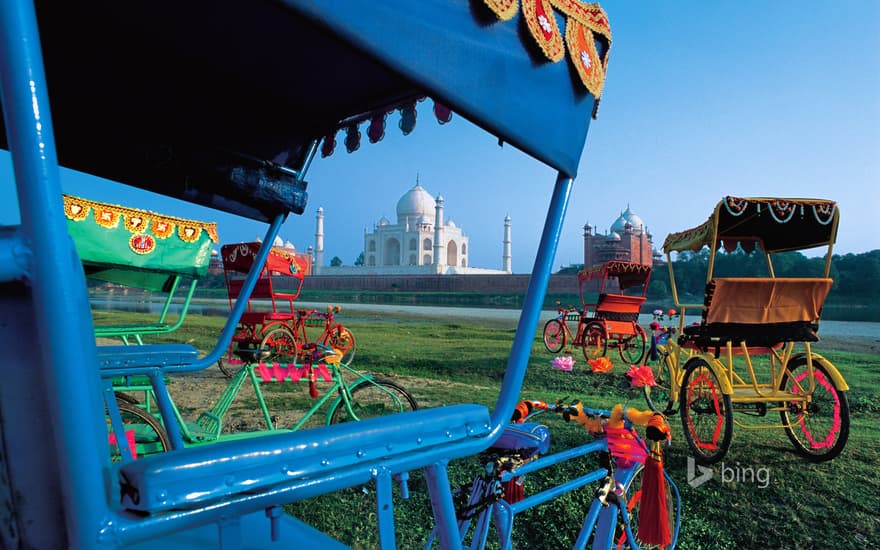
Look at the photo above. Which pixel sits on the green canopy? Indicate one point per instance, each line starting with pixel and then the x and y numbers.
pixel 135 247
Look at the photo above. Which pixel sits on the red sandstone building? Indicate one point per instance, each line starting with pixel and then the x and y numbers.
pixel 627 240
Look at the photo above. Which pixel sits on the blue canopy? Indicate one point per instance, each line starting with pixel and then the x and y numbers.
pixel 224 104
pixel 178 96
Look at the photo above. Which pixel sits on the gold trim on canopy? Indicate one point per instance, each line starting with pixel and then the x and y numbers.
pixel 137 221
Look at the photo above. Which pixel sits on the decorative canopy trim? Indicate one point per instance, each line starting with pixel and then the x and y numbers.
pixel 503 9
pixel 376 124
pixel 542 25
pixel 137 221
pixel 582 21
pixel 690 239
pixel 774 224
pixel 628 273
pixel 582 49
pixel 240 257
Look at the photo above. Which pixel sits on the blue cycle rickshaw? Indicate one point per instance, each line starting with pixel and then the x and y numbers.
pixel 226 105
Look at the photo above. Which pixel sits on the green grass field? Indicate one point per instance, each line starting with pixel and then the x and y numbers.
pixel 786 502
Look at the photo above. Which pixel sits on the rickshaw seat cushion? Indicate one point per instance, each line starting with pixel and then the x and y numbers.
pixel 198 476
pixel 620 327
pixel 764 301
pixel 761 311
pixel 151 355
pixel 619 303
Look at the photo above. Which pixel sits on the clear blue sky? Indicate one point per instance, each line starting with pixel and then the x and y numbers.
pixel 702 99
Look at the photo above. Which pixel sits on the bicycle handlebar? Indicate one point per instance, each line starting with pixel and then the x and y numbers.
pixel 657 427
pixel 323 352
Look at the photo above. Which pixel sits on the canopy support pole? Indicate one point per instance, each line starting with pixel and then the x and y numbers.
pixel 534 301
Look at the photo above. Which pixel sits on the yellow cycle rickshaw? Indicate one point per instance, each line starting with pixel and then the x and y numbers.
pixel 740 357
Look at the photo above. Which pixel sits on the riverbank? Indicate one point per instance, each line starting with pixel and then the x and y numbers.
pixel 857 336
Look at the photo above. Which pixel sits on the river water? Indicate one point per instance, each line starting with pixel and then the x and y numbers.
pixel 501 318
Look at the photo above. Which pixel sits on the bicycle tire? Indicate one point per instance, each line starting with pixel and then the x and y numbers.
pixel 633 490
pixel 659 396
pixel 554 335
pixel 700 400
pixel 373 397
pixel 595 343
pixel 814 437
pixel 281 342
pixel 632 349
pixel 149 435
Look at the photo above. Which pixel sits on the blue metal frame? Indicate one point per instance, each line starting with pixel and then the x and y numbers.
pixel 74 489
pixel 600 521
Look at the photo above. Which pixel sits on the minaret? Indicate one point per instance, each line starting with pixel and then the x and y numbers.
pixel 505 253
pixel 319 242
pixel 439 241
pixel 588 246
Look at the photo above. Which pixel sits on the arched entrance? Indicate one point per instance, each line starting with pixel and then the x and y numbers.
pixel 391 254
pixel 451 253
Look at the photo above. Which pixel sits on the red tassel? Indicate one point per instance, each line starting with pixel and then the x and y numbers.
pixel 653 511
pixel 513 490
pixel 313 388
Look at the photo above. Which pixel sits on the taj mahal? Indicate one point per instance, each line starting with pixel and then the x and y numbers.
pixel 422 241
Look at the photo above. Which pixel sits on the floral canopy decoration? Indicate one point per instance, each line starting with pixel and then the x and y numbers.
pixel 136 221
pixel 582 21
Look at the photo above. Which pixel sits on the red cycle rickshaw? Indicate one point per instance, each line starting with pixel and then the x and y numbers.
pixel 609 320
pixel 272 325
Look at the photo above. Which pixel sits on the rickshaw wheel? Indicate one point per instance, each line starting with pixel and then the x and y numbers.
pixel 343 340
pixel 373 397
pixel 659 396
pixel 706 414
pixel 282 345
pixel 819 429
pixel 149 435
pixel 632 348
pixel 554 336
pixel 595 341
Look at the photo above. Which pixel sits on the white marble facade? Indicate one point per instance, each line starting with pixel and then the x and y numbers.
pixel 422 241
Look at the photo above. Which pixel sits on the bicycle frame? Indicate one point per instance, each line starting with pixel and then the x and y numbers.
pixel 209 424
pixel 601 520
pixel 568 315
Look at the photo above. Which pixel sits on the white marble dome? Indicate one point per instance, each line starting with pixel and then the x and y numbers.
pixel 627 217
pixel 416 204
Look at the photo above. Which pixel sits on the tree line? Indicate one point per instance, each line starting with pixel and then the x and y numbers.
pixel 856 276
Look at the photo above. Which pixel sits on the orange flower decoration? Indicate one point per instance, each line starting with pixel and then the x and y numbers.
pixel 602 364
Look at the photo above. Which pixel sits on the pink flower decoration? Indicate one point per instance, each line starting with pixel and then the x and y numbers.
pixel 563 362
pixel 640 376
